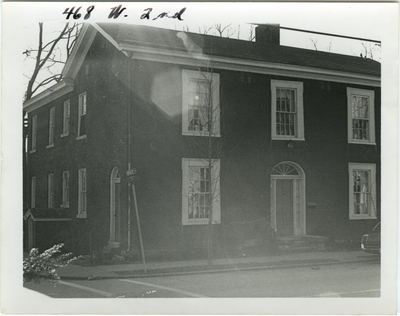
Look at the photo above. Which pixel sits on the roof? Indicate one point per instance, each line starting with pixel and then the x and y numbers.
pixel 185 48
pixel 48 214
pixel 172 40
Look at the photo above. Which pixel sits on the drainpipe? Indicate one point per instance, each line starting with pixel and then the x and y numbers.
pixel 128 90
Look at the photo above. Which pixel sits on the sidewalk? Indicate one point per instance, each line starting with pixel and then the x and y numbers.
pixel 156 269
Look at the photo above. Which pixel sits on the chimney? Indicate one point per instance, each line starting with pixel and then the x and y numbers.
pixel 268 34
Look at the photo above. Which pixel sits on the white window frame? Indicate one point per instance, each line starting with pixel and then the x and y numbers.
pixel 50 190
pixel 82 109
pixel 33 192
pixel 215 189
pixel 188 75
pixel 65 189
pixel 34 134
pixel 372 211
pixel 52 119
pixel 299 121
pixel 66 117
pixel 82 193
pixel 363 93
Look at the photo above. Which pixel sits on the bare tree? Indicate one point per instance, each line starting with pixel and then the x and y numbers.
pixel 370 49
pixel 48 55
pixel 204 122
pixel 314 43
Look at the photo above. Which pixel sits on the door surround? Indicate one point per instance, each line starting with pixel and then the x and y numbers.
pixel 288 170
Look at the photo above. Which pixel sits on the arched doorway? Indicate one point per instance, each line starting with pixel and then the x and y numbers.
pixel 115 208
pixel 288 206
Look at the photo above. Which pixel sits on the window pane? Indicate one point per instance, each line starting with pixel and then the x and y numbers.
pixel 50 190
pixel 360 114
pixel 66 117
pixel 285 112
pixel 361 192
pixel 198 105
pixel 199 192
pixel 34 132
pixel 82 101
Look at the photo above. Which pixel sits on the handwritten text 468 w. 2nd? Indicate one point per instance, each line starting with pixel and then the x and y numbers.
pixel 116 12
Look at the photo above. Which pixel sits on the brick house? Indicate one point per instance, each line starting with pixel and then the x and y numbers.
pixel 294 151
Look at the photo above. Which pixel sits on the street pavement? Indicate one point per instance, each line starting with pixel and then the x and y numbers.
pixel 168 268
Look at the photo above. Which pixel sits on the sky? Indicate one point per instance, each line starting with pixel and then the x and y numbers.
pixel 365 20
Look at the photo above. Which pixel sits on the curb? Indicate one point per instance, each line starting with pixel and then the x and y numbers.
pixel 149 274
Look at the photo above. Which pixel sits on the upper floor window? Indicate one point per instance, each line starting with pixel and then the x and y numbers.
pixel 66 117
pixel 50 190
pixel 52 119
pixel 82 116
pixel 200 191
pixel 287 112
pixel 362 195
pixel 34 133
pixel 33 192
pixel 82 193
pixel 361 116
pixel 65 189
pixel 200 103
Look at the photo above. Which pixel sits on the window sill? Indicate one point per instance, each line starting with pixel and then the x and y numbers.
pixel 64 206
pixel 81 137
pixel 361 143
pixel 288 138
pixel 362 217
pixel 64 135
pixel 81 216
pixel 50 146
pixel 32 151
pixel 201 134
pixel 198 222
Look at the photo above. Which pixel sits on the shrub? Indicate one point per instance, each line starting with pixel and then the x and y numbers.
pixel 38 266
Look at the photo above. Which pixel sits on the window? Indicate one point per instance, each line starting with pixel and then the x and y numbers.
pixel 52 118
pixel 200 103
pixel 287 110
pixel 82 193
pixel 82 116
pixel 66 118
pixel 34 133
pixel 65 189
pixel 362 182
pixel 361 118
pixel 33 192
pixel 50 190
pixel 200 190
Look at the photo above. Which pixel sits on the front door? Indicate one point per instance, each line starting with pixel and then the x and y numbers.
pixel 284 207
pixel 288 209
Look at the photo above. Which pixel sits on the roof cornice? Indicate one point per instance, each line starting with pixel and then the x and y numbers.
pixel 59 89
pixel 237 64
pixel 78 54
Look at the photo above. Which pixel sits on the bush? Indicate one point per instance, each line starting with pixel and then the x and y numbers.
pixel 44 266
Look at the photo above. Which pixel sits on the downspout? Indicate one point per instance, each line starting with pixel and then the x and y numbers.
pixel 128 90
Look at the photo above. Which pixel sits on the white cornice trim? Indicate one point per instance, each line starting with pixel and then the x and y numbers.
pixel 78 54
pixel 49 94
pixel 236 64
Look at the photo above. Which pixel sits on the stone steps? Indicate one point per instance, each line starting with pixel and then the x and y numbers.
pixel 301 243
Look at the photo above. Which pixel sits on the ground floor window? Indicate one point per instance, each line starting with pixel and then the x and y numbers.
pixel 50 190
pixel 65 189
pixel 362 193
pixel 200 191
pixel 82 192
pixel 33 192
